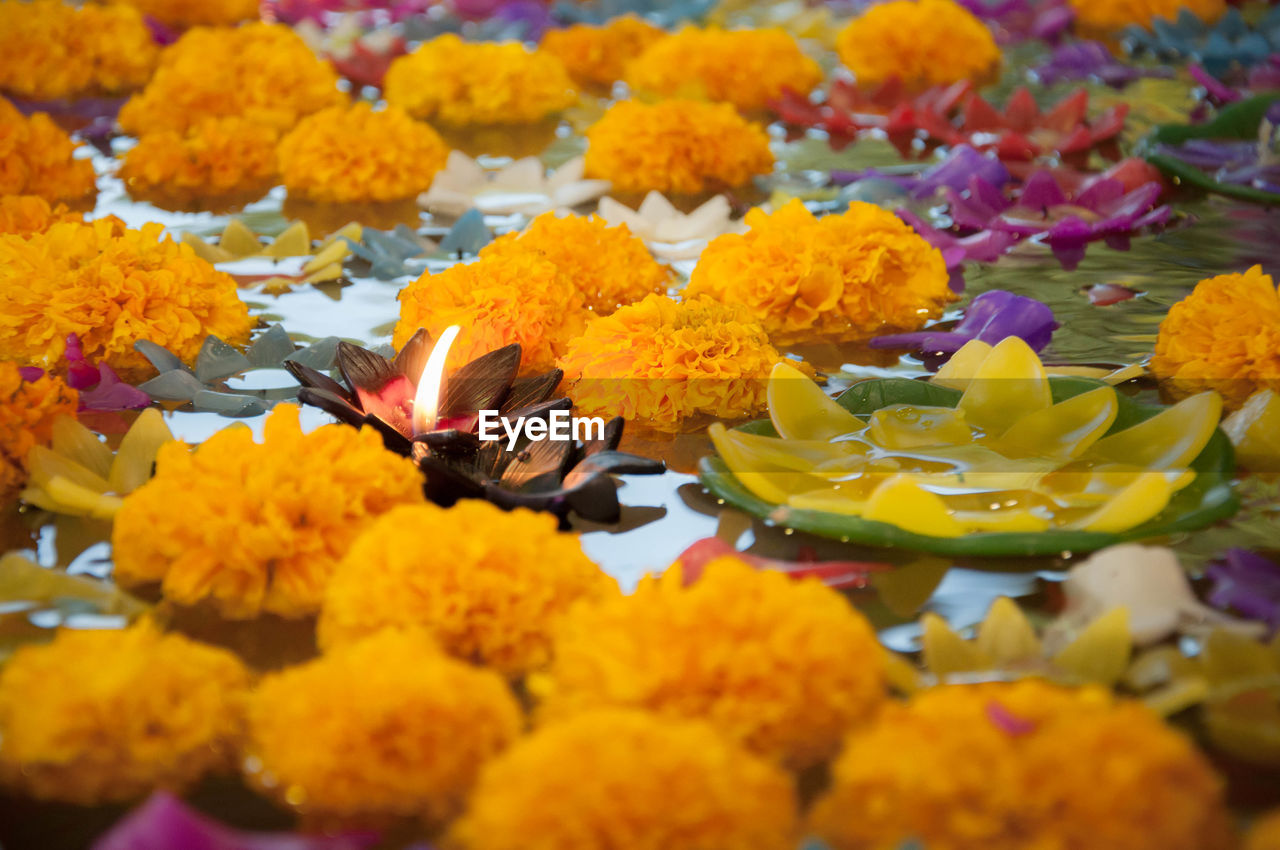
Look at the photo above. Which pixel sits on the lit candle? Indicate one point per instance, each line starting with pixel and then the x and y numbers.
pixel 431 385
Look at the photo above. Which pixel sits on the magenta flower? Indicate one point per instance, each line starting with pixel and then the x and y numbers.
pixel 990 318
pixel 99 386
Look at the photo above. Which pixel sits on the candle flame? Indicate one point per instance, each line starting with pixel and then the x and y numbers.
pixel 431 384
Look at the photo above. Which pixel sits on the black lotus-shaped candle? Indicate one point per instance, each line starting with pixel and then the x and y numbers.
pixel 436 421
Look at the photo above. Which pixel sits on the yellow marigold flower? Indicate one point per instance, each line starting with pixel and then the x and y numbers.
pixel 385 728
pixel 1104 17
pixel 27 214
pixel 598 55
pixel 851 275
pixel 1006 766
pixel 264 73
pixel 786 667
pixel 50 49
pixel 611 779
pixel 27 412
pixel 345 154
pixel 608 265
pixel 38 158
pixel 194 13
pixel 747 68
pixel 217 156
pixel 1224 336
pixel 111 286
pixel 665 361
pixel 680 146
pixel 108 715
pixel 920 42
pixel 1265 833
pixel 490 587
pixel 516 297
pixel 459 82
pixel 258 527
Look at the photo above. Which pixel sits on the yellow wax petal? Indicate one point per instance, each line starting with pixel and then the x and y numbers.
pixel 800 410
pixel 769 481
pixel 901 674
pixel 1064 430
pixel 799 455
pixel 239 241
pixel 905 426
pixel 1009 385
pixel 902 502
pixel 945 652
pixel 44 465
pixel 1101 652
pixel 1005 520
pixel 1170 439
pixel 963 365
pixel 333 271
pixel 1230 657
pixel 1135 504
pixel 1159 665
pixel 80 445
pixel 205 251
pixel 277 285
pixel 334 252
pixel 847 499
pixel 137 454
pixel 1178 695
pixel 1006 636
pixel 295 241
pixel 978 468
pixel 77 499
pixel 1254 430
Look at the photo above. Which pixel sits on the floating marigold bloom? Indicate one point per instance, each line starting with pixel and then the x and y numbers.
pixel 598 55
pixel 953 767
pixel 193 13
pixel 921 42
pixel 611 267
pixel 216 156
pixel 851 275
pixel 786 667
pixel 747 68
pixel 611 779
pixel 680 146
pixel 345 154
pixel 108 715
pixel 258 527
pixel 24 215
pixel 490 588
pixel 264 73
pixel 1224 336
pixel 514 297
pixel 50 49
pixel 387 728
pixel 112 287
pixel 1105 17
pixel 458 83
pixel 38 158
pixel 26 420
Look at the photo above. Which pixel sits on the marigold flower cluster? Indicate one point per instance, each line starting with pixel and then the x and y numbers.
pixel 389 727
pixel 617 778
pixel 679 146
pixel 921 43
pixel 264 73
pixel 24 215
pixel 517 297
pixel 785 667
pixel 52 49
pixel 1000 766
pixel 254 528
pixel 27 412
pixel 112 287
pixel 1106 17
pixel 1224 336
pixel 490 588
pixel 598 55
pixel 664 361
pixel 609 266
pixel 38 158
pixel 216 156
pixel 345 154
pixel 459 83
pixel 108 715
pixel 850 275
pixel 747 68
pixel 194 13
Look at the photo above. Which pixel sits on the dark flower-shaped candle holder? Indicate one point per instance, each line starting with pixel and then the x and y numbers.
pixel 436 422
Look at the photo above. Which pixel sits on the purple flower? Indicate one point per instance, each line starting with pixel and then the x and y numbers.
pixel 99 386
pixel 1252 164
pixel 985 246
pixel 1091 60
pixel 990 318
pixel 1248 583
pixel 30 373
pixel 953 173
pixel 1018 20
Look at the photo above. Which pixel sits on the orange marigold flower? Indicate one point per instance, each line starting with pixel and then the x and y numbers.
pixel 50 49
pixel 786 667
pixel 345 154
pixel 1105 17
pixel 112 287
pixel 108 715
pixel 610 779
pixel 516 297
pixel 920 42
pixel 258 527
pixel 747 68
pixel 216 156
pixel 1265 833
pixel 27 412
pixel 609 266
pixel 458 82
pixel 490 588
pixel 38 158
pixel 1224 336
pixel 681 146
pixel 193 13
pixel 853 275
pixel 27 214
pixel 598 55
pixel 386 728
pixel 264 73
pixel 665 361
